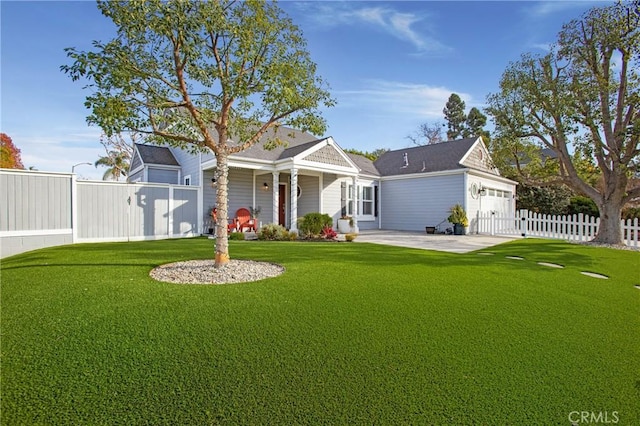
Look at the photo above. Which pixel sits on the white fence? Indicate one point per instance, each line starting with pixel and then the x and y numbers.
pixel 573 228
pixel 42 209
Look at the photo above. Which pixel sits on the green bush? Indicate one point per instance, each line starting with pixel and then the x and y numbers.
pixel 236 236
pixel 273 232
pixel 584 205
pixel 631 213
pixel 312 224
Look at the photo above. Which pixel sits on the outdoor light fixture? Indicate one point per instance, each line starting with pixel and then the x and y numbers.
pixel 213 182
pixel 73 168
pixel 265 186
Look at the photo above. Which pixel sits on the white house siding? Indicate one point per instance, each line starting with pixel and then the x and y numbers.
pixel 410 204
pixel 331 203
pixel 264 198
pixel 308 201
pixel 240 190
pixel 190 164
pixel 163 176
pixel 137 176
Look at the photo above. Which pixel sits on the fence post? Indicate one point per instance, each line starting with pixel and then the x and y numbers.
pixel 74 208
pixel 523 223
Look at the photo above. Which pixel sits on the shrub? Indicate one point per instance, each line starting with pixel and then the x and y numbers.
pixel 312 224
pixel 584 205
pixel 290 236
pixel 631 213
pixel 272 232
pixel 329 233
pixel 236 236
pixel 350 237
pixel 458 215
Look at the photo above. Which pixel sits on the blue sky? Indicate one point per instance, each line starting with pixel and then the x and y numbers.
pixel 390 65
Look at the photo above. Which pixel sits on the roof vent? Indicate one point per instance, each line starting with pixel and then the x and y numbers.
pixel 405 158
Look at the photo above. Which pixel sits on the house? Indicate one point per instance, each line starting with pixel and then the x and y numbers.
pixel 406 189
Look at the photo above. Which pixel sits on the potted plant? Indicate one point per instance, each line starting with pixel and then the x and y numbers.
pixel 345 224
pixel 458 217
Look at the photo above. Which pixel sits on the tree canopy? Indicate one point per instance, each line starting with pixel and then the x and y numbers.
pixel 583 96
pixel 455 116
pixel 201 76
pixel 9 154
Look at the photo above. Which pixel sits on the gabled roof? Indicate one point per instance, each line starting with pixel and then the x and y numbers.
pixel 296 142
pixel 424 159
pixel 160 155
pixel 365 165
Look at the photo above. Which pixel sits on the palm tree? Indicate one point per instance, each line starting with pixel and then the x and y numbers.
pixel 117 163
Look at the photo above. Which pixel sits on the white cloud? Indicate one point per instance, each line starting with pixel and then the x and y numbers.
pixel 60 151
pixel 400 25
pixel 419 101
pixel 545 8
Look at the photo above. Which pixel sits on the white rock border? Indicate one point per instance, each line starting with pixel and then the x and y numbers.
pixel 203 272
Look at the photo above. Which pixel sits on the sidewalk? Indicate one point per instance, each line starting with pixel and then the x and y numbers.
pixel 421 240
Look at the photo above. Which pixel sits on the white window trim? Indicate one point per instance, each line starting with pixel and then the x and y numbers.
pixel 359 202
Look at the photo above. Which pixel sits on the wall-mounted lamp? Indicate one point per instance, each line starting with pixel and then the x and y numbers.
pixel 265 186
pixel 213 182
pixel 483 191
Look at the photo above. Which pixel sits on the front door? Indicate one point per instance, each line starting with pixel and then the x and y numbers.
pixel 282 208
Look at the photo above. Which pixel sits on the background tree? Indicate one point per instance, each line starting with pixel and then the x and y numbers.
pixel 428 134
pixel 474 125
pixel 455 116
pixel 373 155
pixel 202 76
pixel 585 89
pixel 9 154
pixel 119 152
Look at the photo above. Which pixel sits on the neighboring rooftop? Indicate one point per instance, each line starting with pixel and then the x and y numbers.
pixel 152 154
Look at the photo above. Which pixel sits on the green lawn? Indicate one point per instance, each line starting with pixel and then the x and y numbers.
pixel 350 333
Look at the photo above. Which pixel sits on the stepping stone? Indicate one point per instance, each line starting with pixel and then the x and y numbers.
pixel 515 257
pixel 551 265
pixel 594 275
pixel 637 286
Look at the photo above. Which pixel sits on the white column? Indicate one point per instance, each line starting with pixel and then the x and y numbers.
pixel 356 199
pixel 275 196
pixel 294 199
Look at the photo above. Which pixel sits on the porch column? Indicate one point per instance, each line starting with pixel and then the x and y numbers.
pixel 294 199
pixel 356 197
pixel 275 195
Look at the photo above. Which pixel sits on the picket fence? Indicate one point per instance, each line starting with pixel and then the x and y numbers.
pixel 578 227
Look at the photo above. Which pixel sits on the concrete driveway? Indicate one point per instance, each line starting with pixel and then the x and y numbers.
pixel 421 240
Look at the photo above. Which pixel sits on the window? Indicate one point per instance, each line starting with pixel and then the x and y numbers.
pixel 350 201
pixel 367 200
pixel 361 203
pixel 187 180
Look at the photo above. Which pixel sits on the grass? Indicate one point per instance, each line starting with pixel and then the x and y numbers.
pixel 351 333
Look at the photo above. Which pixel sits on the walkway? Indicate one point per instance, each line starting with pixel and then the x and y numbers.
pixel 421 240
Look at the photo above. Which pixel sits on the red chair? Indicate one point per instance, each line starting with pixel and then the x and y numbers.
pixel 244 220
pixel 232 226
